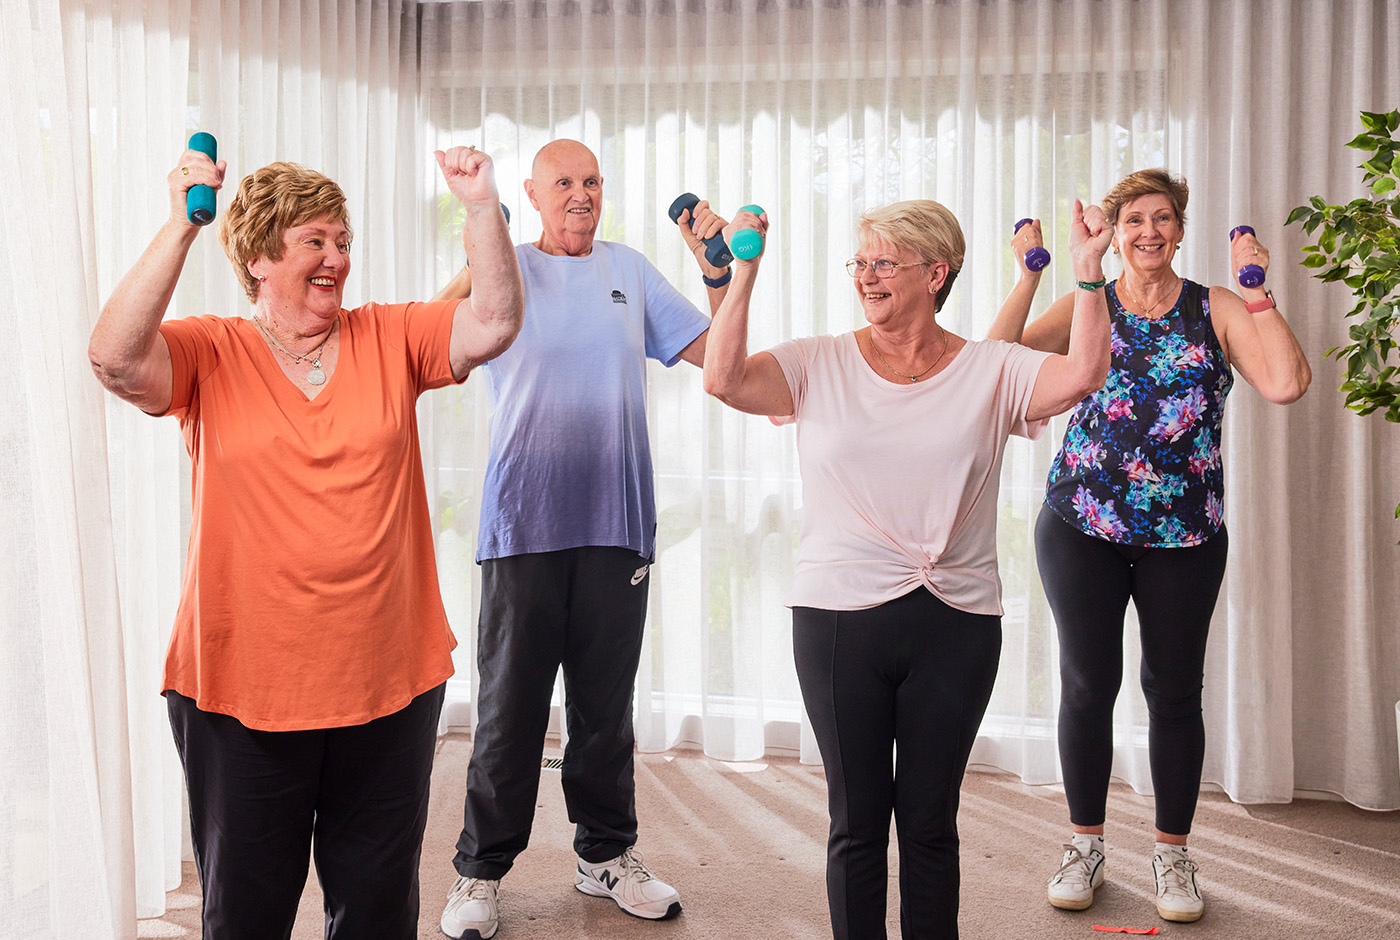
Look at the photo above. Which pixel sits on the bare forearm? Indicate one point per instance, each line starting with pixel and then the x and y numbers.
pixel 726 348
pixel 1010 321
pixel 487 325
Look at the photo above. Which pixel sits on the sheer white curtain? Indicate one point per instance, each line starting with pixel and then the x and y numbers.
pixel 816 110
pixel 100 99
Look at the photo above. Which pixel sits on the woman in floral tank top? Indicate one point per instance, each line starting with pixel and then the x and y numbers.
pixel 1134 509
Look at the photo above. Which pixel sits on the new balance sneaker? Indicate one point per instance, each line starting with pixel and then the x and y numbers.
pixel 628 882
pixel 1081 871
pixel 472 911
pixel 1178 895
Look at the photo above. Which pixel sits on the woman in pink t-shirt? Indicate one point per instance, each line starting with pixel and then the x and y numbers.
pixel 896 602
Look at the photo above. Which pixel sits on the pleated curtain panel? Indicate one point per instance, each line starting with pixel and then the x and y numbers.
pixel 814 109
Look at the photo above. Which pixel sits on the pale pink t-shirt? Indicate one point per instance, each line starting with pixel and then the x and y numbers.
pixel 900 482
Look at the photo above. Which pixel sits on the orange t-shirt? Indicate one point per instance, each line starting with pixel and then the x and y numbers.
pixel 310 597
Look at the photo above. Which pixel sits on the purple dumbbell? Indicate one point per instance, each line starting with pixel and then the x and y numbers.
pixel 1037 257
pixel 1251 275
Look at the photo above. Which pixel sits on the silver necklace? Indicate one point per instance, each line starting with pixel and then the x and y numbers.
pixel 316 376
pixel 905 375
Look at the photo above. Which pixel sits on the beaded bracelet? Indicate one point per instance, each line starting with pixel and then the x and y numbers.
pixel 720 281
pixel 1092 285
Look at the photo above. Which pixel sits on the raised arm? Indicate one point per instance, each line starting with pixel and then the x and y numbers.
pixel 1259 344
pixel 127 352
pixel 695 228
pixel 753 384
pixel 1010 322
pixel 487 322
pixel 1067 377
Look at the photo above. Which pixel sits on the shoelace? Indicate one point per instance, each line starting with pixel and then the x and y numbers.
pixel 1181 869
pixel 632 862
pixel 1080 860
pixel 473 889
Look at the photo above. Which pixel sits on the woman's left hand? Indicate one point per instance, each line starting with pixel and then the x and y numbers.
pixel 1025 238
pixel 470 175
pixel 1246 249
pixel 744 219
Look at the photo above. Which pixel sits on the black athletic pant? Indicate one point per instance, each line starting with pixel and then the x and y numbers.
pixel 1088 582
pixel 262 802
pixel 584 609
pixel 895 694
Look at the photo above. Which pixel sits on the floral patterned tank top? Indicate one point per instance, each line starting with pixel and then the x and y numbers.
pixel 1140 463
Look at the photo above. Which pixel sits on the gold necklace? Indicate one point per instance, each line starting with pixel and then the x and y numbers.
pixel 904 375
pixel 316 376
pixel 1147 311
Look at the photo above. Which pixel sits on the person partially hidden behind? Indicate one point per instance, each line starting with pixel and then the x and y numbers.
pixel 566 541
pixel 306 666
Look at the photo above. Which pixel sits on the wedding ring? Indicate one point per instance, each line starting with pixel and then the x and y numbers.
pixel 1256 251
pixel 185 170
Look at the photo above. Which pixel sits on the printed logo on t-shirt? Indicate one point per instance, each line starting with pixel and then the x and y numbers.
pixel 619 297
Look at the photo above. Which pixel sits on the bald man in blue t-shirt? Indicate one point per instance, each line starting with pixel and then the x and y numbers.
pixel 568 534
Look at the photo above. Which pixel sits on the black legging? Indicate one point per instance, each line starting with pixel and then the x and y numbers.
pixel 913 676
pixel 1088 582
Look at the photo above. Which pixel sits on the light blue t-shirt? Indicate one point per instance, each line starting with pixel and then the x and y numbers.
pixel 570 460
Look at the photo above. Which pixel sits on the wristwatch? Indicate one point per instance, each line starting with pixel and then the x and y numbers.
pixel 1259 306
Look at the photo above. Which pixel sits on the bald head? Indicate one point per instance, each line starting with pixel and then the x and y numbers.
pixel 565 150
pixel 567 189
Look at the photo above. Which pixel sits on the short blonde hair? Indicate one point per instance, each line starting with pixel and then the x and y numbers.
pixel 268 202
pixel 1147 183
pixel 924 227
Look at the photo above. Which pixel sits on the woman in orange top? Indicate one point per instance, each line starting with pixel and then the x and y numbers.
pixel 306 667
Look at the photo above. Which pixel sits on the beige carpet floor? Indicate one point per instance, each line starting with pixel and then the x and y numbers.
pixel 745 846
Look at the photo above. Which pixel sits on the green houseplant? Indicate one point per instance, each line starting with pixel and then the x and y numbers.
pixel 1358 243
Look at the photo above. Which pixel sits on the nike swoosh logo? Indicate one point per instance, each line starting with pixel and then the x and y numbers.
pixel 641 573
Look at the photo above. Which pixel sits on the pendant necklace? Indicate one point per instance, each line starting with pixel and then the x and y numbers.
pixel 1146 310
pixel 904 375
pixel 316 376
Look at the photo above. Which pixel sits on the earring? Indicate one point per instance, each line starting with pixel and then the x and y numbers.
pixel 262 278
pixel 1115 249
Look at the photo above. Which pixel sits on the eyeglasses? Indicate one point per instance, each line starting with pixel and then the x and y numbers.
pixel 884 267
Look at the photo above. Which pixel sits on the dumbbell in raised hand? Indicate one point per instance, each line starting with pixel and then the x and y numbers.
pixel 199 199
pixel 716 251
pixel 1251 275
pixel 748 243
pixel 1037 257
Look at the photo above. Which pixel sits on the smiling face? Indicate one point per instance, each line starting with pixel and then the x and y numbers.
pixel 1147 232
pixel 567 189
pixel 305 286
pixel 906 294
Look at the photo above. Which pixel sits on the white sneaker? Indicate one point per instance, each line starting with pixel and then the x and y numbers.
pixel 1178 896
pixel 1072 887
pixel 628 882
pixel 472 911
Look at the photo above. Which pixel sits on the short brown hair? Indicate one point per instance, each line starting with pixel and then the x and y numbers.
pixel 923 226
pixel 268 202
pixel 1147 183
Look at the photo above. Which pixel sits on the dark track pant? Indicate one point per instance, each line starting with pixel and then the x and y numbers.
pixel 1088 582
pixel 262 802
pixel 895 694
pixel 584 609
